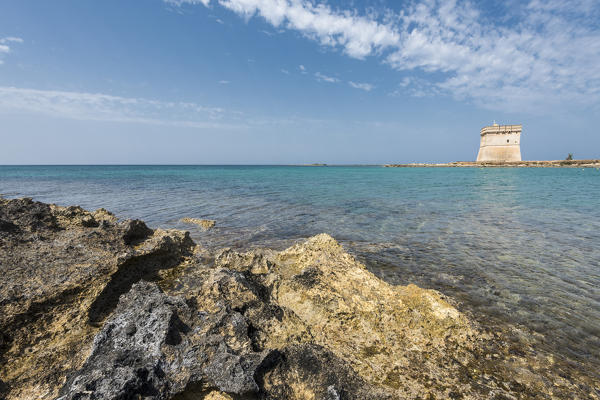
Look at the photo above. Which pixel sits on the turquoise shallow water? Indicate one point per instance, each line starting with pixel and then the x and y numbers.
pixel 513 246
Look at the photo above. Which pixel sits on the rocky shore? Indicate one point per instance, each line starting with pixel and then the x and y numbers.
pixel 96 308
pixel 513 164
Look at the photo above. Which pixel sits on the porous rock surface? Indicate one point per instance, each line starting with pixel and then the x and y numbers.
pixel 95 308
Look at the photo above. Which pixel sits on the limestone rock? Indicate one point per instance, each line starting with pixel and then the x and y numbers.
pixel 63 270
pixel 94 308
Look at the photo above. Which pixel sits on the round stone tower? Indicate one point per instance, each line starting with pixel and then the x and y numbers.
pixel 500 143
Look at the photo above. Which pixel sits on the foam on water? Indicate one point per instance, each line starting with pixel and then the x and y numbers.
pixel 512 245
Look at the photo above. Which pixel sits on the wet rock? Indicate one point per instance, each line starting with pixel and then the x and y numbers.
pixel 203 223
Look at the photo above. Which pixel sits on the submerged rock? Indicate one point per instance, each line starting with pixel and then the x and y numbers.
pixel 205 224
pixel 93 308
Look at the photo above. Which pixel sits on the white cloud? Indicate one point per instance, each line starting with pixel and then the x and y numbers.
pixel 540 60
pixel 533 55
pixel 357 35
pixel 180 2
pixel 285 71
pixel 224 82
pixel 103 107
pixel 10 39
pixel 362 86
pixel 325 78
pixel 4 45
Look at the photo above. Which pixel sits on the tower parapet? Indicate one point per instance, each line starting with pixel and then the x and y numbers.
pixel 500 143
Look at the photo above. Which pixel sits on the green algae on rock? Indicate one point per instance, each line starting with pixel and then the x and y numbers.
pixel 91 307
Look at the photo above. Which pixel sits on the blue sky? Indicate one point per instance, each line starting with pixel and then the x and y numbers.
pixel 282 81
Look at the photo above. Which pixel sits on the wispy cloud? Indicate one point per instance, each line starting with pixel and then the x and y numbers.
pixel 324 78
pixel 546 55
pixel 367 87
pixel 224 82
pixel 181 2
pixel 415 87
pixel 11 39
pixel 5 44
pixel 302 68
pixel 103 107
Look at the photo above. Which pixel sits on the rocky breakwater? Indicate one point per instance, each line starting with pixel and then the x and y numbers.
pixel 94 308
pixel 507 164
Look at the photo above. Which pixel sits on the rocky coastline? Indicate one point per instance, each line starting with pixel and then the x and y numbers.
pixel 96 308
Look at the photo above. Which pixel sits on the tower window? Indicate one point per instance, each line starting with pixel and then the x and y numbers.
pixel 507 140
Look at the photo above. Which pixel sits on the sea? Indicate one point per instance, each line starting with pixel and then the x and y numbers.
pixel 512 247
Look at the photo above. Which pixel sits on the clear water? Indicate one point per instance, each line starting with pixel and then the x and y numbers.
pixel 517 246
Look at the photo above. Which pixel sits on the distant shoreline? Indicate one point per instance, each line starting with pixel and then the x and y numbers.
pixel 593 163
pixel 513 164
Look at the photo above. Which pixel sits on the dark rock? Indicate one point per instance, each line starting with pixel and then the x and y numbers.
pixel 310 371
pixel 146 349
pixel 29 214
pixel 135 231
pixel 127 358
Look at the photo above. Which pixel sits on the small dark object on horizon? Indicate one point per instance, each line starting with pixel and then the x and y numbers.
pixel 569 157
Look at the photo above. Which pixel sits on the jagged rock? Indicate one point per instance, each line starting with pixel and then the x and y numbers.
pixel 127 358
pixel 63 270
pixel 309 371
pixel 93 308
pixel 146 349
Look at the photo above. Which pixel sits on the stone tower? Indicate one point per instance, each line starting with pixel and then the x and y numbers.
pixel 500 143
